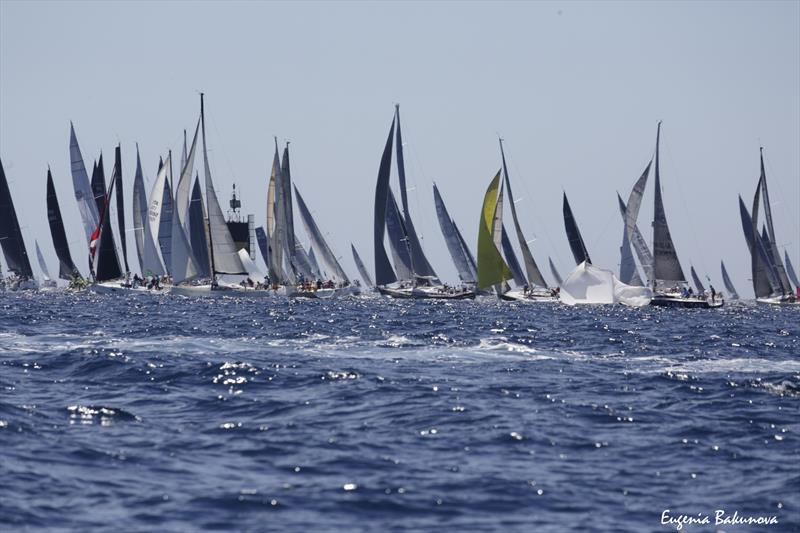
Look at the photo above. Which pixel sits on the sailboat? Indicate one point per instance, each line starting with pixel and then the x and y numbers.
pixel 493 271
pixel 11 241
pixel 66 267
pixel 770 279
pixel 362 270
pixel 665 274
pixel 47 282
pixel 412 275
pixel 531 285
pixel 462 257
pixel 726 280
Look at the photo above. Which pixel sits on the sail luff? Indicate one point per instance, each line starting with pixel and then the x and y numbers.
pixel 362 270
pixel 383 268
pixel 81 186
pixel 534 275
pixel 66 267
pixel 574 237
pixel 328 257
pixel 666 267
pixel 726 280
pixel 451 239
pixel 492 269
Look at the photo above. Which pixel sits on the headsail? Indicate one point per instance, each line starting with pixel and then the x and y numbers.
pixel 790 270
pixel 698 285
pixel 639 243
pixel 117 175
pixel 198 231
pixel 182 266
pixel 312 260
pixel 263 245
pixel 732 294
pixel 42 263
pixel 102 248
pixel 362 270
pixel 666 267
pixel 288 215
pixel 275 227
pixel 383 268
pixel 66 267
pixel 165 221
pixel 450 233
pixel 149 256
pixel 574 235
pixel 508 251
pixel 531 268
pixel 80 183
pixel 492 269
pixel 776 262
pixel 399 241
pixel 555 272
pixel 762 284
pixel 183 190
pixel 318 240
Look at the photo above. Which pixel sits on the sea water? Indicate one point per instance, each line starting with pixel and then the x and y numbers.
pixel 158 413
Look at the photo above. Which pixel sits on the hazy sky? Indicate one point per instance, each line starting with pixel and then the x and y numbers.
pixel 576 89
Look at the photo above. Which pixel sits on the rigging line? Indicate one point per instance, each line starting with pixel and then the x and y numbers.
pixel 686 210
pixel 233 177
pixel 418 163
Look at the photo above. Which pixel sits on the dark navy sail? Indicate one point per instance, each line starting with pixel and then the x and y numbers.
pixel 775 256
pixel 99 184
pixel 117 175
pixel 383 268
pixel 362 270
pixel 66 267
pixel 10 233
pixel 511 259
pixel 165 222
pixel 762 286
pixel 574 237
pixel 666 267
pixel 197 230
pixel 450 233
pixel 698 285
pixel 398 240
pixel 106 266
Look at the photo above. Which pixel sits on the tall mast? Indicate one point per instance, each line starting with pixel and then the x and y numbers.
pixel 205 157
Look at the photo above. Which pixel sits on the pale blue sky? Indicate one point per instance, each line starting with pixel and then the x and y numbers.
pixel 576 89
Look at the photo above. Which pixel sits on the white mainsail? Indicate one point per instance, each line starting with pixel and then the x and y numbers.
pixel 184 190
pixel 83 190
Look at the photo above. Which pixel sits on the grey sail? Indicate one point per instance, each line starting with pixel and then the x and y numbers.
pixel 790 270
pixel 762 286
pixel 555 272
pixel 775 255
pixel 511 257
pixel 42 263
pixel 531 268
pixel 165 224
pixel 473 267
pixel 183 264
pixel 275 220
pixel 184 189
pixel 224 255
pixel 263 244
pixel 628 273
pixel 639 243
pixel 666 267
pixel 698 285
pixel 66 267
pixel 726 280
pixel 123 235
pixel 630 211
pixel 769 257
pixel 149 258
pixel 312 259
pixel 288 212
pixel 452 240
pixel 398 241
pixel 362 270
pixel 80 183
pixel 383 268
pixel 419 263
pixel 574 237
pixel 318 241
pixel 301 262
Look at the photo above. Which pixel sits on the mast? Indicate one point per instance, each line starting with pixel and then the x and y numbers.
pixel 205 156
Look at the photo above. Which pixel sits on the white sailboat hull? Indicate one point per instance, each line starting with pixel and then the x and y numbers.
pixel 116 287
pixel 230 291
pixel 518 295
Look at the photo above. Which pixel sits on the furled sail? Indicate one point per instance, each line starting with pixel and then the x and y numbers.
pixel 790 270
pixel 318 240
pixel 362 270
pixel 450 233
pixel 574 235
pixel 398 240
pixel 666 267
pixel 698 285
pixel 639 243
pixel 66 267
pixel 531 268
pixel 732 294
pixel 80 183
pixel 224 256
pixel 383 268
pixel 42 263
pixel 117 175
pixel 419 263
pixel 555 272
pixel 492 269
pixel 778 267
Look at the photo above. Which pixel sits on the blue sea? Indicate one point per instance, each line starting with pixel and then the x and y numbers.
pixel 159 413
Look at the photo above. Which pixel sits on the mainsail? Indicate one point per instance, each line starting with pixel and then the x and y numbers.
pixel 666 267
pixel 419 263
pixel 197 231
pixel 224 256
pixel 555 272
pixel 164 231
pixel 362 270
pixel 763 281
pixel 728 283
pixel 263 245
pixel 66 267
pixel 80 183
pixel 383 268
pixel 399 241
pixel 776 262
pixel 534 274
pixel 318 240
pixel 698 285
pixel 574 235
pixel 275 229
pixel 492 269
pixel 149 256
pixel 117 176
pixel 451 238
pixel 183 191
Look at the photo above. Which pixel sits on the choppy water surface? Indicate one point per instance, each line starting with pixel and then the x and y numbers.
pixel 367 414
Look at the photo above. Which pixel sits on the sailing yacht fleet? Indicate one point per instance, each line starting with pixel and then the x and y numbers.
pixel 184 244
